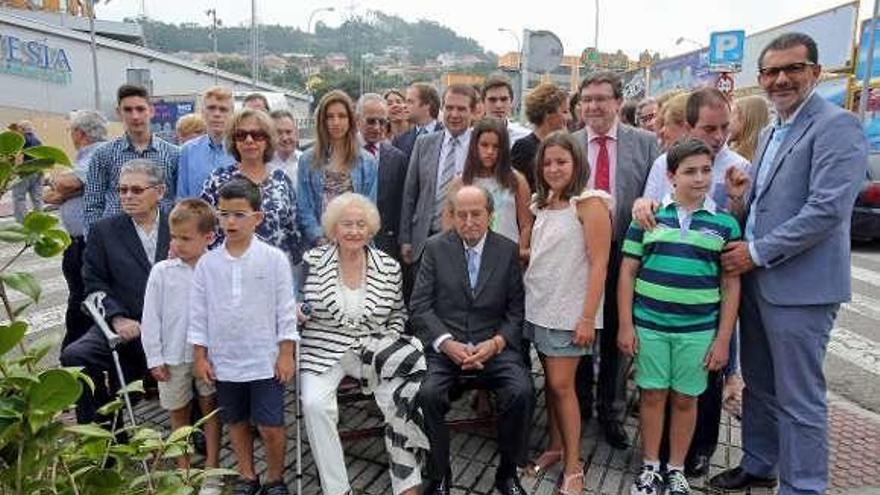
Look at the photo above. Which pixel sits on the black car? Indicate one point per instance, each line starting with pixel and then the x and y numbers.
pixel 866 212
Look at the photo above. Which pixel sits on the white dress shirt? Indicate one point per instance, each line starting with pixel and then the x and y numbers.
pixel 241 309
pixel 658 185
pixel 478 249
pixel 289 166
pixel 149 240
pixel 593 157
pixel 165 317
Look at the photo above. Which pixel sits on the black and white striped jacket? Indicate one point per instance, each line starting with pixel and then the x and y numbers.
pixel 328 332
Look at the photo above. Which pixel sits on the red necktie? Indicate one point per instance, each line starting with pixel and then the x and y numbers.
pixel 603 165
pixel 371 148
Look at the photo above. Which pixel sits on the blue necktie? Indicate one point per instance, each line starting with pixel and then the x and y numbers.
pixel 473 267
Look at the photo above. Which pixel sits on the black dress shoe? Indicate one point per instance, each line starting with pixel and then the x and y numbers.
pixel 697 466
pixel 509 486
pixel 615 435
pixel 738 479
pixel 437 487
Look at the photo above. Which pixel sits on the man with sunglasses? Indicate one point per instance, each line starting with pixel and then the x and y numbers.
pixel 795 262
pixel 372 118
pixel 120 252
pixel 135 110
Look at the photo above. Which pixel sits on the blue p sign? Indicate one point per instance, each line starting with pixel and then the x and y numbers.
pixel 726 49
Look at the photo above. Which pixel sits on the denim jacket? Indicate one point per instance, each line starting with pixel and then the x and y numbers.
pixel 310 191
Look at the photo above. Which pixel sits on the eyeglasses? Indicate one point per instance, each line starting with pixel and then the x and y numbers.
pixel 647 117
pixel 791 69
pixel 238 215
pixel 598 99
pixel 242 135
pixel 134 190
pixel 376 121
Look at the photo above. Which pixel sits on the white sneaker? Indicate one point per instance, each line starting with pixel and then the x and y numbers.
pixel 212 486
pixel 677 483
pixel 648 482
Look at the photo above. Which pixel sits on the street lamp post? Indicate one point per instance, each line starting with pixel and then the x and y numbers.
pixel 682 39
pixel 214 24
pixel 315 12
pixel 520 66
pixel 94 49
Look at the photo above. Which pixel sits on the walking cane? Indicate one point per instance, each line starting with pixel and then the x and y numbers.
pixel 94 306
pixel 306 310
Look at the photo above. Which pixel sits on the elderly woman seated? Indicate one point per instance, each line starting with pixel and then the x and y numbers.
pixel 355 328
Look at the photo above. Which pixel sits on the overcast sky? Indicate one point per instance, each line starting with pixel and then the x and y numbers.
pixel 630 25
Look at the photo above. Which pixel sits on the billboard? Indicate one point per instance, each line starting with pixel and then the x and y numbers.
pixel 634 84
pixel 833 30
pixel 687 71
pixel 864 41
pixel 166 115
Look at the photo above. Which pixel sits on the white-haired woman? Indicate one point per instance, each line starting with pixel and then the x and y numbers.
pixel 355 328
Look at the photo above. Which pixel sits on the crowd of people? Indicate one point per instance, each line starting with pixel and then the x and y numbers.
pixel 427 244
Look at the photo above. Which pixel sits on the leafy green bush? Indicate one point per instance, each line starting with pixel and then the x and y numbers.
pixel 39 454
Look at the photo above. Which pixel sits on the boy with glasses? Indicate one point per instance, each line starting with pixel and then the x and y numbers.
pixel 243 328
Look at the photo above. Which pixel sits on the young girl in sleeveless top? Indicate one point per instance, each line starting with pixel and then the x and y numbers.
pixel 564 283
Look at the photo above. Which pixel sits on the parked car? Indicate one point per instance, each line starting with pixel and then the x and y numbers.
pixel 866 212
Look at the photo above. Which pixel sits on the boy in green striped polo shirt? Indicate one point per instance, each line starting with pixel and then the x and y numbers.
pixel 677 310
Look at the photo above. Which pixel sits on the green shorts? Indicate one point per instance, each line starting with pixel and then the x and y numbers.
pixel 674 361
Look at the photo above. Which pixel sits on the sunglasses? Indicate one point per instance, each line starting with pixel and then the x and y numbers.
pixel 376 121
pixel 242 135
pixel 135 190
pixel 791 69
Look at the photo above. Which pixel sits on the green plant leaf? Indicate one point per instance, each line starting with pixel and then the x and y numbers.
pixel 204 419
pixel 38 222
pixel 181 433
pixel 48 153
pixel 17 311
pixel 33 167
pixel 101 482
pixel 22 282
pixel 51 243
pixel 11 335
pixel 136 386
pixel 13 233
pixel 111 407
pixel 57 390
pixel 90 430
pixel 11 143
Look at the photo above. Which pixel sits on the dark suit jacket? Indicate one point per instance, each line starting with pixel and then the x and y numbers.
pixel 115 263
pixel 407 141
pixel 392 177
pixel 636 151
pixel 442 301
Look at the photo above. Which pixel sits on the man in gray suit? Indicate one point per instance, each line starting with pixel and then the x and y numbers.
pixel 372 115
pixel 796 266
pixel 620 158
pixel 436 159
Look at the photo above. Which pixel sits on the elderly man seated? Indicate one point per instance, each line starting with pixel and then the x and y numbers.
pixel 467 307
pixel 120 252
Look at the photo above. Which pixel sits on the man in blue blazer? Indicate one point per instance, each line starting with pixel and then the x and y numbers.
pixel 120 252
pixel 795 259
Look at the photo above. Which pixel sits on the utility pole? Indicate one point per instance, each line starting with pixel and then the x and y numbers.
pixel 212 13
pixel 94 49
pixel 255 46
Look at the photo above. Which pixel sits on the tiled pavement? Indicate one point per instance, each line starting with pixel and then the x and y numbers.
pixel 855 441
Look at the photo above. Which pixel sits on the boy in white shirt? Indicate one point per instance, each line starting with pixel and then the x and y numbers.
pixel 243 327
pixel 165 323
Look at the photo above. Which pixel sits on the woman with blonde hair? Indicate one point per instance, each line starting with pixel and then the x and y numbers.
pixel 335 165
pixel 672 124
pixel 750 115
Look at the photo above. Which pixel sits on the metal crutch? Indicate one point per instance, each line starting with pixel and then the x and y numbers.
pixel 298 412
pixel 94 306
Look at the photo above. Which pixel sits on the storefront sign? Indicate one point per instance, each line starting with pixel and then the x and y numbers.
pixel 34 60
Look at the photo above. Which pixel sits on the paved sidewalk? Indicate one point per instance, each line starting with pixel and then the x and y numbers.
pixel 855 443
